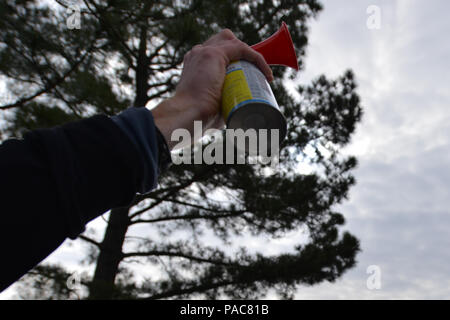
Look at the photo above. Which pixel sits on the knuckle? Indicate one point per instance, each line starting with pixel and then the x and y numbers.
pixel 237 42
pixel 209 52
pixel 196 48
pixel 203 52
pixel 227 34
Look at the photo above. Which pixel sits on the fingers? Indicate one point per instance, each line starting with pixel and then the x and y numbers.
pixel 195 48
pixel 235 49
pixel 225 34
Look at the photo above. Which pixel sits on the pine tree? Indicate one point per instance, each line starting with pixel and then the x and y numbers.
pixel 130 53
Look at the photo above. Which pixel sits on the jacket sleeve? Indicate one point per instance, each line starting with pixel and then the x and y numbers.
pixel 54 181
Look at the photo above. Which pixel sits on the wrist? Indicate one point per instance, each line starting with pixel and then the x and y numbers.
pixel 164 117
pixel 176 112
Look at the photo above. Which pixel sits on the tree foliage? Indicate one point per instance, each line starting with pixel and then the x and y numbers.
pixel 130 53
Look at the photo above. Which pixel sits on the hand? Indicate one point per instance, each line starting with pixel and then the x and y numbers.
pixel 198 94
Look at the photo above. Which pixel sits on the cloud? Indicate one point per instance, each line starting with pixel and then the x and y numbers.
pixel 400 208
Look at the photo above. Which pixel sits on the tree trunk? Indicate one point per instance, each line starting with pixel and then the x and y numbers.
pixel 102 285
pixel 142 73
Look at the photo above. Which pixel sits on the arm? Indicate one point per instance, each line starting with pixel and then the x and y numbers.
pixel 55 181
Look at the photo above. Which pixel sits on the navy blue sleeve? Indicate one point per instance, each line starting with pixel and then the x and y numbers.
pixel 138 125
pixel 54 181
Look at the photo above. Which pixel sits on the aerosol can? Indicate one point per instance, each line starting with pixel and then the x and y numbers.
pixel 247 98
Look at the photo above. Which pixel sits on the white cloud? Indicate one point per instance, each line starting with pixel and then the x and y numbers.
pixel 399 208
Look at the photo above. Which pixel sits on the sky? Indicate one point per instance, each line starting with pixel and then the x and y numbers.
pixel 399 208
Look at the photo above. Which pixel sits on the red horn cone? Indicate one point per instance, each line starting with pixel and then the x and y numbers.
pixel 278 49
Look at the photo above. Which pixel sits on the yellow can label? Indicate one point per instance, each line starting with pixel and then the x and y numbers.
pixel 235 89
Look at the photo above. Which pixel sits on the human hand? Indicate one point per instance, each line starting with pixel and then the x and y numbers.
pixel 198 93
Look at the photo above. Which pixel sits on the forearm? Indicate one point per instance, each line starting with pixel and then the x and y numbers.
pixel 54 181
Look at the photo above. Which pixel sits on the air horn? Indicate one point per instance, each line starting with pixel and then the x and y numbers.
pixel 278 49
pixel 247 99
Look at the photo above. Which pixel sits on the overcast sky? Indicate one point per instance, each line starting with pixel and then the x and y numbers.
pixel 399 208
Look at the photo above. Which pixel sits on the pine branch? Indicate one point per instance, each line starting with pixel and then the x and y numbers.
pixel 171 191
pixel 50 85
pixel 200 288
pixel 157 50
pixel 188 217
pixel 69 104
pixel 128 53
pixel 201 207
pixel 160 93
pixel 140 198
pixel 177 255
pixel 91 241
